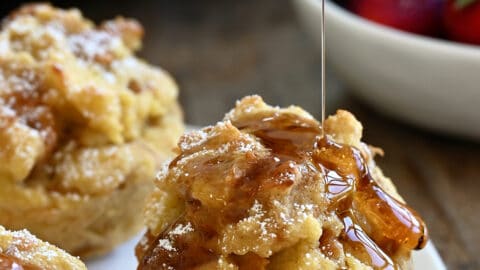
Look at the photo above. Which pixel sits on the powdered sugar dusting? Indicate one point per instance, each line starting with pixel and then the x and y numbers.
pixel 29 250
pixel 166 244
pixel 181 229
pixel 92 44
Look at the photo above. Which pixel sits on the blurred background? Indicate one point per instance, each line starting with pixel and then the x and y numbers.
pixel 220 51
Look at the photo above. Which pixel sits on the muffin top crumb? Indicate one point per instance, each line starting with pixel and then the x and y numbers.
pixel 266 189
pixel 73 95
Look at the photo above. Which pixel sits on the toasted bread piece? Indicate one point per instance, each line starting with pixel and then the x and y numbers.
pixel 22 250
pixel 267 188
pixel 84 125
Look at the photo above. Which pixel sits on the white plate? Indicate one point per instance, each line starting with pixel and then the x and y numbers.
pixel 123 258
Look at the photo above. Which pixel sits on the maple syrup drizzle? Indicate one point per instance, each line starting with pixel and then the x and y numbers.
pixel 390 223
pixel 323 64
pixel 287 135
pixel 357 242
pixel 349 186
pixel 376 226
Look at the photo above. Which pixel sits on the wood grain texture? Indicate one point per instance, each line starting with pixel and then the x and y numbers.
pixel 220 51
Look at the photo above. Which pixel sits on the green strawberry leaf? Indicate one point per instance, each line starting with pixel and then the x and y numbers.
pixel 460 4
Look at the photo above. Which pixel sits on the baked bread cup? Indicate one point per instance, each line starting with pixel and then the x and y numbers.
pixel 266 189
pixel 84 125
pixel 20 250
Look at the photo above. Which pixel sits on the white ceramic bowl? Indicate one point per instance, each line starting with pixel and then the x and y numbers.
pixel 426 81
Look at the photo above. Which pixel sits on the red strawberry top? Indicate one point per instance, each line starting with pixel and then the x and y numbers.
pixel 416 16
pixel 462 20
pixel 457 20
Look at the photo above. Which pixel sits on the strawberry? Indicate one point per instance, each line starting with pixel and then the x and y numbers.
pixel 462 20
pixel 416 16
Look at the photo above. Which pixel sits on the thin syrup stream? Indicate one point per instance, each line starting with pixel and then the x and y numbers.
pixel 323 63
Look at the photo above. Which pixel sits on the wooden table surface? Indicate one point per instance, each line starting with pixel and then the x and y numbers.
pixel 220 51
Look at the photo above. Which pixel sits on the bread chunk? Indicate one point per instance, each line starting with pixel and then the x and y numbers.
pixel 84 125
pixel 267 188
pixel 20 250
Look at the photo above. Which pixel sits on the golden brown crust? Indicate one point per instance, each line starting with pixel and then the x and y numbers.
pixel 256 191
pixel 84 124
pixel 22 250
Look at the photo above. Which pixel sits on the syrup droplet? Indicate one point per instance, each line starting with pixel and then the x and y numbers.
pixel 337 186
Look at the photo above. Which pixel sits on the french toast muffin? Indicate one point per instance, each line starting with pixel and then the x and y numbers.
pixel 20 250
pixel 267 188
pixel 84 126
